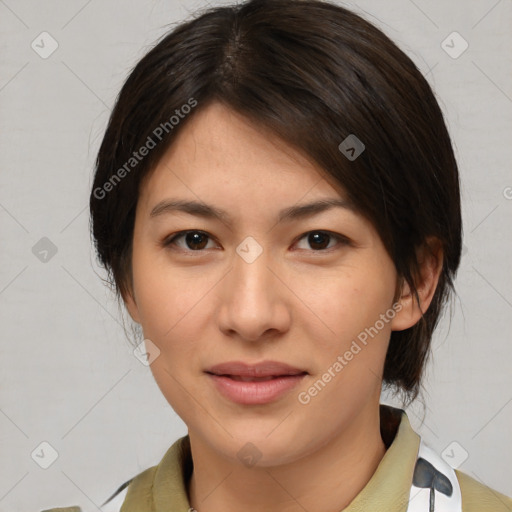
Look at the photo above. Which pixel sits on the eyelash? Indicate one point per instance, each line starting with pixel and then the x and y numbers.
pixel 170 241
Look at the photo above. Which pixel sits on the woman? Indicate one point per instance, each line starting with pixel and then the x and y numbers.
pixel 276 200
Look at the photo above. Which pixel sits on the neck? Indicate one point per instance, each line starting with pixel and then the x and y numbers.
pixel 328 479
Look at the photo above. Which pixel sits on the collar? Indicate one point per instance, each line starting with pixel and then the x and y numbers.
pixel 388 488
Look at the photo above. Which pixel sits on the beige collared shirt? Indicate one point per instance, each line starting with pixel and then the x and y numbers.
pixel 163 488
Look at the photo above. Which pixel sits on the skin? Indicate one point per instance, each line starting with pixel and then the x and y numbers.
pixel 296 303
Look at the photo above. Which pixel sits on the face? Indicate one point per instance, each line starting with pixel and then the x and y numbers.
pixel 258 285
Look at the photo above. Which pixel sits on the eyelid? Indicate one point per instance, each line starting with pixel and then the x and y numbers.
pixel 342 240
pixel 168 241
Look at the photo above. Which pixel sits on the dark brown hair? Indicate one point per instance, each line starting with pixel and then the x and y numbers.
pixel 311 73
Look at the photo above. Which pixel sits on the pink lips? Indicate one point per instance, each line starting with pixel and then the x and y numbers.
pixel 257 383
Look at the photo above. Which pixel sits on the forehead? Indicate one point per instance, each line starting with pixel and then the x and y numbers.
pixel 220 154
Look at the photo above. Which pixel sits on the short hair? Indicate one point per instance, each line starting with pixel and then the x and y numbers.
pixel 311 73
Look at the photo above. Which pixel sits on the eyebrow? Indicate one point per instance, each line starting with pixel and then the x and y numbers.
pixel 211 212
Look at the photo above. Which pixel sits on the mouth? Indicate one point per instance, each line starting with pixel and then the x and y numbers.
pixel 263 370
pixel 240 378
pixel 255 384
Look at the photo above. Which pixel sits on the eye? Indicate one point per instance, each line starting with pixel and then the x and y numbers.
pixel 194 240
pixel 319 240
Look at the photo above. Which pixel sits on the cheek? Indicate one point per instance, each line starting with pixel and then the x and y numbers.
pixel 173 316
pixel 345 303
pixel 349 360
pixel 169 298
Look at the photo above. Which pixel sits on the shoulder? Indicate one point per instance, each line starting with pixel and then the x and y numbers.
pixel 436 485
pixel 63 509
pixel 477 497
pixel 136 486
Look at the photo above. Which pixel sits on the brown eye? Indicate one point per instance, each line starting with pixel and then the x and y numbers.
pixel 194 240
pixel 320 240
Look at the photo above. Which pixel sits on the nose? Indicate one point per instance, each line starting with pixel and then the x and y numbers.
pixel 253 303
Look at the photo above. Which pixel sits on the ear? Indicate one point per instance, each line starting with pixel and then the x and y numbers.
pixel 430 262
pixel 131 304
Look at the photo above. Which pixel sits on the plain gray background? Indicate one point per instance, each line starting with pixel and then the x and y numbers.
pixel 68 375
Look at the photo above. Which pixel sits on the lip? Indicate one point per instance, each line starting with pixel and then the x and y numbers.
pixel 272 380
pixel 262 369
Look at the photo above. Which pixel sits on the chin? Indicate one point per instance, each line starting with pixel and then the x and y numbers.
pixel 264 447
